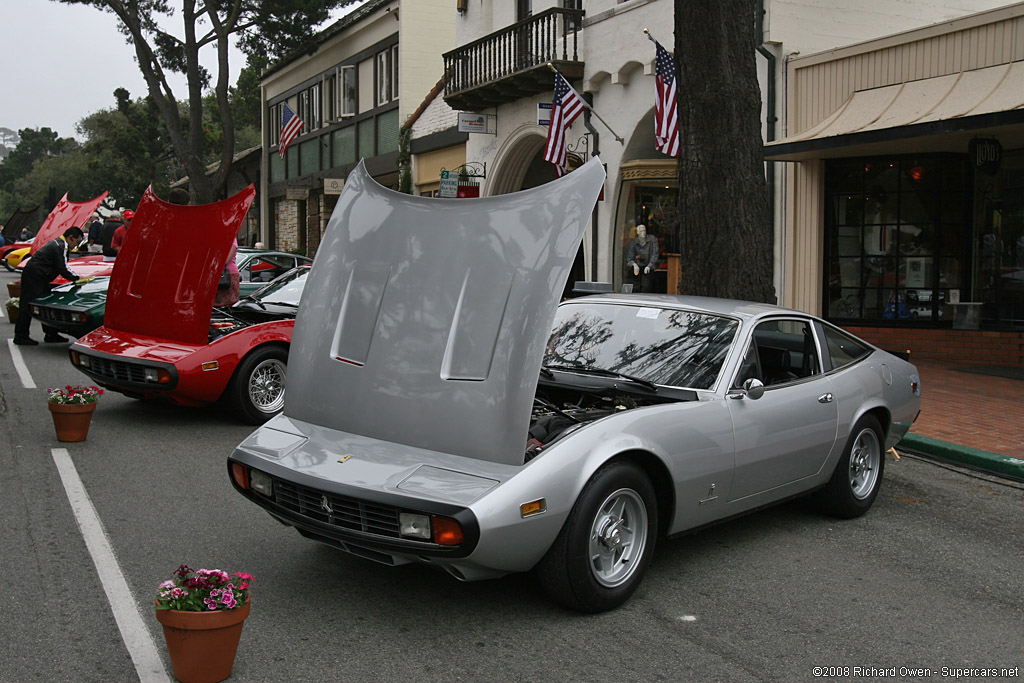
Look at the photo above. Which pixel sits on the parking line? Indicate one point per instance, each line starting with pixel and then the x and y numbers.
pixel 19 365
pixel 136 636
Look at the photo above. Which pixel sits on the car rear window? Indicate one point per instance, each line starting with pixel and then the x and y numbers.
pixel 843 348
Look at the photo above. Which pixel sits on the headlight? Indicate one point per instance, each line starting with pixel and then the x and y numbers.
pixel 414 526
pixel 157 375
pixel 261 482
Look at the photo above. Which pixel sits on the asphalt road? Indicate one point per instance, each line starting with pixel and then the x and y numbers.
pixel 931 577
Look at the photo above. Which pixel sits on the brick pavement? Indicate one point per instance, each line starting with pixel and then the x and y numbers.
pixel 968 409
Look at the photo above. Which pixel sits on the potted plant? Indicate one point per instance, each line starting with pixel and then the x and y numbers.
pixel 202 612
pixel 13 308
pixel 71 409
pixel 14 289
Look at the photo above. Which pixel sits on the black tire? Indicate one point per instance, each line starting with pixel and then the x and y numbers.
pixel 8 266
pixel 256 392
pixel 592 566
pixel 858 475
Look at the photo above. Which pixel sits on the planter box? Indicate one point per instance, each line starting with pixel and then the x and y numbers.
pixel 14 289
pixel 12 313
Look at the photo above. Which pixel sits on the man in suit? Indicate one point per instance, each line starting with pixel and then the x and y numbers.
pixel 40 270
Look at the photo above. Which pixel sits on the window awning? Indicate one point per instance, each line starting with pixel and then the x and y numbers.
pixel 928 115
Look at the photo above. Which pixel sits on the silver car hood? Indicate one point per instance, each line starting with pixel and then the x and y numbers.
pixel 424 320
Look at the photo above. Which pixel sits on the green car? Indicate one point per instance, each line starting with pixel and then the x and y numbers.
pixel 78 309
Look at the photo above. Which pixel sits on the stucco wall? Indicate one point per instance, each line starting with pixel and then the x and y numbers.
pixel 428 31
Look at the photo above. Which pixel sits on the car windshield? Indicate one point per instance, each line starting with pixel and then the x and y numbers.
pixel 287 289
pixel 662 345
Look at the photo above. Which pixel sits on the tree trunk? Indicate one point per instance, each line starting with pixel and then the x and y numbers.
pixel 725 223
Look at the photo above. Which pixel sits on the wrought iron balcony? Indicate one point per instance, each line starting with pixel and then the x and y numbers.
pixel 512 63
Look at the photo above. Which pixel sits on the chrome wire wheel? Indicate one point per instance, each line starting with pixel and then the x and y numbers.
pixel 266 386
pixel 865 463
pixel 618 537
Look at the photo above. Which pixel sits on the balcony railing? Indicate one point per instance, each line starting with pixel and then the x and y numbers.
pixel 512 63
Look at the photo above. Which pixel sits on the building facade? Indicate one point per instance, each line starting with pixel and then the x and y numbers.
pixel 366 76
pixel 905 189
pixel 500 68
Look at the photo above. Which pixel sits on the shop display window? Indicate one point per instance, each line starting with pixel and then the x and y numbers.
pixel 896 230
pixel 651 203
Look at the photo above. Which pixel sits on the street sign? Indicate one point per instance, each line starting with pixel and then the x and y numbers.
pixel 449 184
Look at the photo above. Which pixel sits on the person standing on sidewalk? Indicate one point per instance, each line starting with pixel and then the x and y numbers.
pixel 40 270
pixel 110 226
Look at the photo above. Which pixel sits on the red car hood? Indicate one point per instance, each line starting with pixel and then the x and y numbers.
pixel 165 276
pixel 65 215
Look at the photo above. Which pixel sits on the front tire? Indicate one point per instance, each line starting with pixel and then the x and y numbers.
pixel 858 475
pixel 602 552
pixel 256 392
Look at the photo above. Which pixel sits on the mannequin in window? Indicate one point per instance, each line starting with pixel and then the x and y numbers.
pixel 642 259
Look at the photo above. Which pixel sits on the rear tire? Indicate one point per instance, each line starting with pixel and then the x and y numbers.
pixel 256 392
pixel 8 266
pixel 858 475
pixel 602 552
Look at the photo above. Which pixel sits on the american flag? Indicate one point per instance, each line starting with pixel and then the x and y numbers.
pixel 666 116
pixel 290 127
pixel 566 107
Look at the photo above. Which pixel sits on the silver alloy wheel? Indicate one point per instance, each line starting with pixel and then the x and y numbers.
pixel 865 461
pixel 618 537
pixel 266 386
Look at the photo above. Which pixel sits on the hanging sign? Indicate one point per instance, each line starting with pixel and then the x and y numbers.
pixel 476 123
pixel 468 189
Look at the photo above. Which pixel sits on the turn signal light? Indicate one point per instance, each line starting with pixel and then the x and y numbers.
pixel 534 507
pixel 446 531
pixel 240 475
pixel 210 365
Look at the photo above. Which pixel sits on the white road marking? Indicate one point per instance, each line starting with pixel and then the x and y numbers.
pixel 136 636
pixel 19 365
pixel 687 617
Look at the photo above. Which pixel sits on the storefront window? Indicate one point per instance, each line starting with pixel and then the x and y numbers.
pixel 999 243
pixel 651 203
pixel 897 231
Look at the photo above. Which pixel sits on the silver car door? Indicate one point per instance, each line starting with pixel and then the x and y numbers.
pixel 788 433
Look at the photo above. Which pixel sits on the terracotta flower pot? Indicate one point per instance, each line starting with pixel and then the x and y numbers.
pixel 12 312
pixel 202 645
pixel 14 289
pixel 71 421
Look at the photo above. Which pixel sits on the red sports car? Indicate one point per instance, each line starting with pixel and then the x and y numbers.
pixel 161 338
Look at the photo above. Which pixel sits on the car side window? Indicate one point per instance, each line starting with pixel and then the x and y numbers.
pixel 786 351
pixel 843 348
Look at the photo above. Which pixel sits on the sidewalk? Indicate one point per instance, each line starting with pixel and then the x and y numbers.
pixel 969 418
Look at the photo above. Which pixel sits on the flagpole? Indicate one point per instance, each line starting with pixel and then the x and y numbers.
pixel 649 36
pixel 592 110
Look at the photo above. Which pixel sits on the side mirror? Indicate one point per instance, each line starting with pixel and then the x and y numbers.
pixel 753 389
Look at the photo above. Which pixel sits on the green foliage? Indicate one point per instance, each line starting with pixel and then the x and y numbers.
pixel 261 27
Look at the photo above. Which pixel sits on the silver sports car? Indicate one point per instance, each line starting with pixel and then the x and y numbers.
pixel 442 408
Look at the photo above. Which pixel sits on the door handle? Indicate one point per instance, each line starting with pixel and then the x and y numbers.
pixel 825 398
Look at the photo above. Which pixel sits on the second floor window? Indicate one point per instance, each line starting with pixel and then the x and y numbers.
pixel 386 71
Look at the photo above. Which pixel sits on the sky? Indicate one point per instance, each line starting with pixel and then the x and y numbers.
pixel 59 63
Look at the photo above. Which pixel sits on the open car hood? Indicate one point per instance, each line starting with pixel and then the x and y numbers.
pixel 165 276
pixel 424 320
pixel 65 215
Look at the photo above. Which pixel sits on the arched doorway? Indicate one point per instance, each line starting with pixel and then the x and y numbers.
pixel 520 165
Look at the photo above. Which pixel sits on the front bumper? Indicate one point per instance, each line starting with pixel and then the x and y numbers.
pixel 361 521
pixel 129 375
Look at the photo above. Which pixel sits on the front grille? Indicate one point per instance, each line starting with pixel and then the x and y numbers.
pixel 117 369
pixel 344 512
pixel 57 314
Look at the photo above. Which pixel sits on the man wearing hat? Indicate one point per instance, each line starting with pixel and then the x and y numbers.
pixel 118 239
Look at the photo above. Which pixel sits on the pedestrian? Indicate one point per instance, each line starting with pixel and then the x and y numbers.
pixel 117 241
pixel 180 196
pixel 96 235
pixel 25 235
pixel 110 226
pixel 37 280
pixel 227 288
